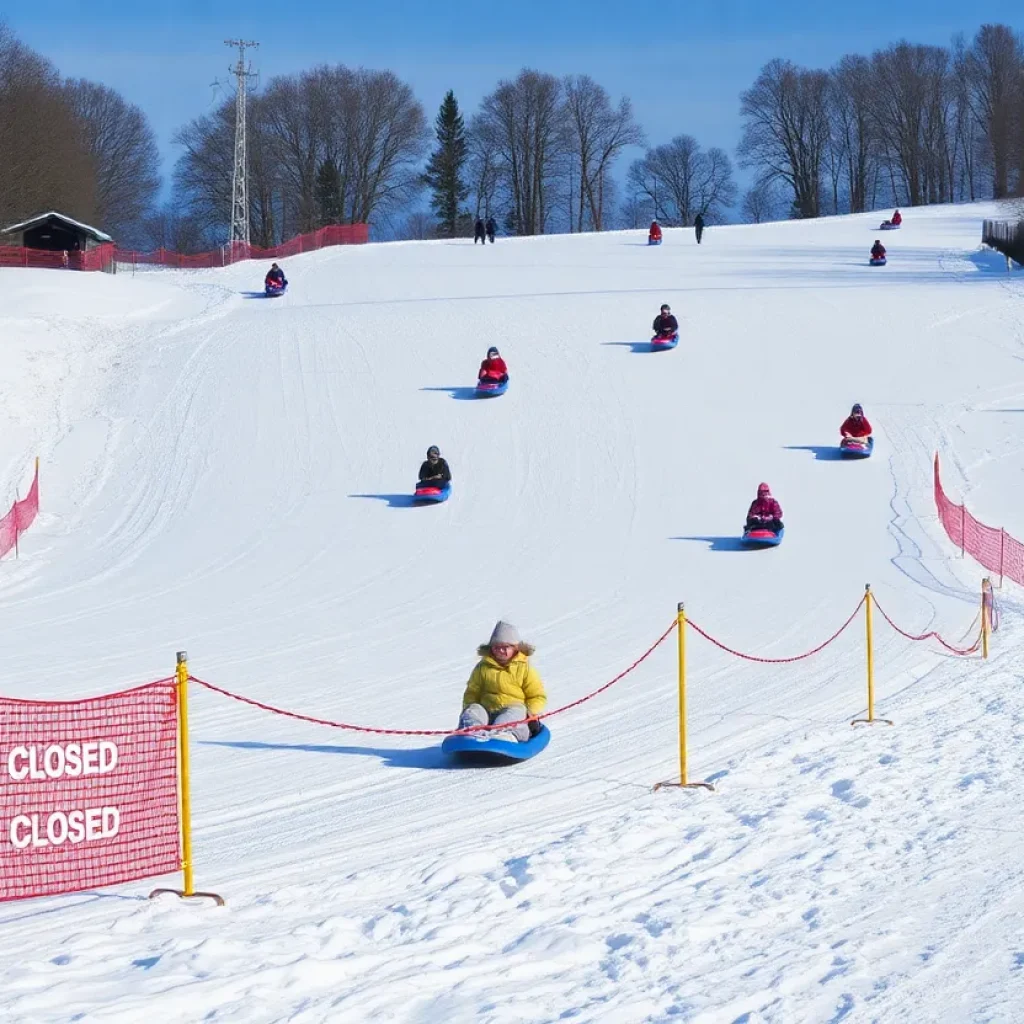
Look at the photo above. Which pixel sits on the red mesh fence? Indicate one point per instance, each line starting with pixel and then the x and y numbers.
pixel 88 791
pixel 21 516
pixel 993 548
pixel 333 234
pixel 99 258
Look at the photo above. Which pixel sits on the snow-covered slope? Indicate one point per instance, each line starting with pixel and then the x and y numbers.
pixel 229 475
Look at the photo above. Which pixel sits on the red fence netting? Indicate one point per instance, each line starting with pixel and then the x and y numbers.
pixel 21 516
pixel 993 548
pixel 88 791
pixel 103 257
pixel 333 234
pixel 99 258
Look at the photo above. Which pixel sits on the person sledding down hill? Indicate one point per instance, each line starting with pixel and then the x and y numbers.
pixel 275 277
pixel 765 513
pixel 503 687
pixel 654 235
pixel 878 251
pixel 856 425
pixel 493 369
pixel 665 324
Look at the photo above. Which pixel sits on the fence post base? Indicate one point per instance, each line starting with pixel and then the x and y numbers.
pixel 683 785
pixel 194 896
pixel 872 721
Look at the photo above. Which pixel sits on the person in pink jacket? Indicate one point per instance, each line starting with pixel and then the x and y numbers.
pixel 765 513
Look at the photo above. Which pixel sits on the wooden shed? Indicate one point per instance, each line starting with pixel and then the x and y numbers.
pixel 55 233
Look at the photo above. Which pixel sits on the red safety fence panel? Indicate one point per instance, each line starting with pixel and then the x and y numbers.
pixel 992 548
pixel 88 791
pixel 101 257
pixel 333 234
pixel 21 516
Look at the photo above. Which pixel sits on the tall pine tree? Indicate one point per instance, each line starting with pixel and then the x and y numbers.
pixel 444 169
pixel 328 194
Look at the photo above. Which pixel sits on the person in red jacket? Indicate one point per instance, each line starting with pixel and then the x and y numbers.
pixel 856 425
pixel 493 369
pixel 765 513
pixel 897 219
pixel 654 235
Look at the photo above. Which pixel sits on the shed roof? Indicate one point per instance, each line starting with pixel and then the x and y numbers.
pixel 26 225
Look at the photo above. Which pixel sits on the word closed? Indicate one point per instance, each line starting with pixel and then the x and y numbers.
pixel 61 760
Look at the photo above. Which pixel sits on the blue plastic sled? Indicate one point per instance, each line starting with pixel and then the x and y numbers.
pixel 763 538
pixel 879 262
pixel 491 390
pixel 857 451
pixel 432 493
pixel 653 241
pixel 271 292
pixel 664 344
pixel 466 747
pixel 887 225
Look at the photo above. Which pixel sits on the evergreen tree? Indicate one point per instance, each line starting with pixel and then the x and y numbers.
pixel 328 194
pixel 444 169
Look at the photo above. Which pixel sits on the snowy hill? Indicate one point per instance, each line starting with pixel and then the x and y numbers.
pixel 229 475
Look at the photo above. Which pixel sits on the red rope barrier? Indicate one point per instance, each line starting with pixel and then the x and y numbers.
pixel 778 661
pixel 432 732
pixel 928 636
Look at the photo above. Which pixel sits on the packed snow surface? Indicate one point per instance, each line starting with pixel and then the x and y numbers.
pixel 231 476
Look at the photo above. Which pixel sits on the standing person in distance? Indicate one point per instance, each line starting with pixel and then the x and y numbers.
pixel 479 233
pixel 665 324
pixel 492 229
pixel 435 470
pixel 698 226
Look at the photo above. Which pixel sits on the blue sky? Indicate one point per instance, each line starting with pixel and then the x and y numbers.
pixel 682 63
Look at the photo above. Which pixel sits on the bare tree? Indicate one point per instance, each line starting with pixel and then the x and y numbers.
pixel 599 133
pixel 46 164
pixel 786 130
pixel 853 134
pixel 523 125
pixel 911 105
pixel 994 68
pixel 483 174
pixel 124 153
pixel 761 202
pixel 682 180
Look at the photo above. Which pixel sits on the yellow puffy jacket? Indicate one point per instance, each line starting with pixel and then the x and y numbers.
pixel 497 686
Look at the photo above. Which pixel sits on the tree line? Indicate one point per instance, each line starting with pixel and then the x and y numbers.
pixel 907 125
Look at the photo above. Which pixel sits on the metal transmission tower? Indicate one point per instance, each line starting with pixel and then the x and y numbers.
pixel 239 176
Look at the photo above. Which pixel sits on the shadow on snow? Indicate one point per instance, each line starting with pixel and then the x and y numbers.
pixel 392 757
pixel 633 346
pixel 822 452
pixel 717 543
pixel 392 500
pixel 460 394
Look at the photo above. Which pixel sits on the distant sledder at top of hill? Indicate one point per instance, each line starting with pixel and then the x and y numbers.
pixel 892 223
pixel 666 329
pixel 654 234
pixel 503 690
pixel 764 520
pixel 492 378
pixel 274 283
pixel 435 478
pixel 877 254
pixel 857 441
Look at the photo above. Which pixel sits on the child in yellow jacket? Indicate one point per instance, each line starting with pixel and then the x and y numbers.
pixel 504 687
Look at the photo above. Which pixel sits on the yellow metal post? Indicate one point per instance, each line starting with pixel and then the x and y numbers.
pixel 870 638
pixel 681 648
pixel 185 780
pixel 986 624
pixel 185 791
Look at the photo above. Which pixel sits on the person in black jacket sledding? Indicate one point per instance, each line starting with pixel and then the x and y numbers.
pixel 665 324
pixel 275 277
pixel 878 250
pixel 698 226
pixel 492 229
pixel 479 232
pixel 435 470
